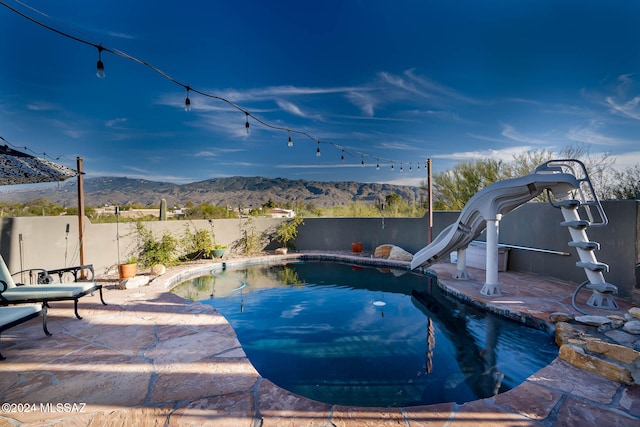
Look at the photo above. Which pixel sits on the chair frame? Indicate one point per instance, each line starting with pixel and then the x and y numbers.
pixel 42 312
pixel 44 279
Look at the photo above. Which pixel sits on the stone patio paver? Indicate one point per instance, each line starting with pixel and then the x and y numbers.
pixel 151 358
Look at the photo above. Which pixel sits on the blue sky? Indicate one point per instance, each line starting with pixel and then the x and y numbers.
pixel 397 81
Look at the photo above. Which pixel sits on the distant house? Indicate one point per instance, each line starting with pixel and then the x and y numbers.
pixel 281 213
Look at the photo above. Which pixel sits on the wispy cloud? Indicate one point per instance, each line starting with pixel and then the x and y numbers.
pixel 626 109
pixel 404 84
pixel 589 135
pixel 365 101
pixel 294 109
pixel 504 154
pixel 511 133
pixel 118 35
pixel 273 92
pixel 440 89
pixel 42 106
pixel 395 146
pixel 217 152
pixel 115 123
pixel 627 160
pixel 624 104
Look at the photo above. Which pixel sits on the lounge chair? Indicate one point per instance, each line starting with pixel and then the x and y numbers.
pixel 17 314
pixel 44 290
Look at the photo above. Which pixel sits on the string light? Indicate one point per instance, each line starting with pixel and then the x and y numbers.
pixel 100 64
pixel 362 160
pixel 410 167
pixel 187 101
pixel 342 157
pixel 39 154
pixel 101 74
pixel 401 168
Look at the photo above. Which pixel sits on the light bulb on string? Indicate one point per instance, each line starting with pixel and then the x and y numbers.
pixel 290 143
pixel 318 154
pixel 401 167
pixel 342 157
pixel 410 167
pixel 377 164
pixel 100 64
pixel 392 168
pixel 246 125
pixel 362 160
pixel 187 101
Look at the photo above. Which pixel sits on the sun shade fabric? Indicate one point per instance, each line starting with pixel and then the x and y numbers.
pixel 21 168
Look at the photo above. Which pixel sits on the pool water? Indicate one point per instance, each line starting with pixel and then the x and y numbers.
pixel 364 336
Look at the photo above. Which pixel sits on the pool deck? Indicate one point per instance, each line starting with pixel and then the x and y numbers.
pixel 149 358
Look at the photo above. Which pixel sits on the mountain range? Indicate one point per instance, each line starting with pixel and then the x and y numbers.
pixel 231 191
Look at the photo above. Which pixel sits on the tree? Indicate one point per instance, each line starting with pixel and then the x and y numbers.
pixel 626 184
pixel 454 188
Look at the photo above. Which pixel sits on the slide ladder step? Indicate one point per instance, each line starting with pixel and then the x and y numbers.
pixel 580 224
pixel 593 266
pixel 587 246
pixel 568 204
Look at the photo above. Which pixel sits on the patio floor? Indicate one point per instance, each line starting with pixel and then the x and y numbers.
pixel 150 358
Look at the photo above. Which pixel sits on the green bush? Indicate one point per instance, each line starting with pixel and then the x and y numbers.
pixel 197 245
pixel 288 230
pixel 156 251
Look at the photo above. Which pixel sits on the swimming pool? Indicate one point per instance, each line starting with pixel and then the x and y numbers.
pixel 364 336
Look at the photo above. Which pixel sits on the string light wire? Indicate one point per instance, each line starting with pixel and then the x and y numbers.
pixel 188 88
pixel 39 154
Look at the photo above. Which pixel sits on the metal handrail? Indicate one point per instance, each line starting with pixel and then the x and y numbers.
pixel 564 165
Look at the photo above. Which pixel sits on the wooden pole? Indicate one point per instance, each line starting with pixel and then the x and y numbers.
pixel 81 211
pixel 430 200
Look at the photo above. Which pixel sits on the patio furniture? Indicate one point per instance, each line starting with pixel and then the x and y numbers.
pixel 44 290
pixel 15 315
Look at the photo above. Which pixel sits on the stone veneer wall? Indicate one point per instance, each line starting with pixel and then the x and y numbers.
pixel 608 346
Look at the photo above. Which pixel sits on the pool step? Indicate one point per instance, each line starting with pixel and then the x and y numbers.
pixel 587 246
pixel 593 266
pixel 578 224
pixel 568 204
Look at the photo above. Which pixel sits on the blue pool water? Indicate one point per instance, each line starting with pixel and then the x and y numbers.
pixel 353 335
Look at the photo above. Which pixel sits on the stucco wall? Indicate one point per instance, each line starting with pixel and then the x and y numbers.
pixel 42 241
pixel 538 225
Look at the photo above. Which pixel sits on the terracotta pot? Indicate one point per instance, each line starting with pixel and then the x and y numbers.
pixel 356 247
pixel 127 271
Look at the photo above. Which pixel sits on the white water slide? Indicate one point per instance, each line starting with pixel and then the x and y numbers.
pixel 569 183
pixel 489 204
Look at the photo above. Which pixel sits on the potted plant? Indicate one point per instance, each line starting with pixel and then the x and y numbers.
pixel 218 250
pixel 287 231
pixel 128 269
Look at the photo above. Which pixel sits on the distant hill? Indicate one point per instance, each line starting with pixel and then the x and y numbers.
pixel 233 191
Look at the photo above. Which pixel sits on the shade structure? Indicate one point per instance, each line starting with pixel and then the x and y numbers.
pixel 17 167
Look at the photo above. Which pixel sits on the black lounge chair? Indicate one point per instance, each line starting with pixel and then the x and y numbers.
pixel 44 290
pixel 15 315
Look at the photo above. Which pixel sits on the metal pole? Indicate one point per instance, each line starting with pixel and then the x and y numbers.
pixel 81 212
pixel 430 200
